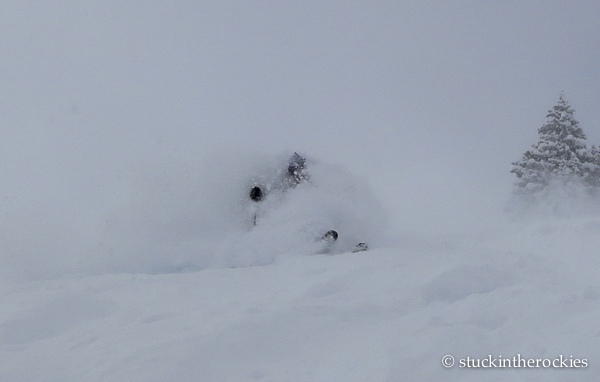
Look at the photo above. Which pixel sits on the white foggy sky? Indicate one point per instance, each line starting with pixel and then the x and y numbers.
pixel 430 100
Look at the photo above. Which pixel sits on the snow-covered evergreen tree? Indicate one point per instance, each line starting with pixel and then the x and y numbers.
pixel 561 155
pixel 593 171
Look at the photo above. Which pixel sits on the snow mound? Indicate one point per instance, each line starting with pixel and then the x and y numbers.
pixel 463 281
pixel 530 290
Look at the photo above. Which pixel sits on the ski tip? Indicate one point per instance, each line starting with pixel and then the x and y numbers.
pixel 360 247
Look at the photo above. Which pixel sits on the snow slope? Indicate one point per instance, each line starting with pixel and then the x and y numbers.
pixel 176 285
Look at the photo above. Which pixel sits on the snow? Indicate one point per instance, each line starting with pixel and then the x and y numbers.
pixel 176 284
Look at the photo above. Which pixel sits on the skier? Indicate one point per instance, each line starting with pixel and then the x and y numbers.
pixel 296 174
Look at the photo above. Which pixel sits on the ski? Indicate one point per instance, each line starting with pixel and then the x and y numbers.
pixel 360 247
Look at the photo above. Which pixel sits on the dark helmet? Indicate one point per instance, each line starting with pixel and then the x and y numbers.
pixel 256 194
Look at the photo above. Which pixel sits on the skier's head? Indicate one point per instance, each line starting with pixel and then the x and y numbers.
pixel 296 164
pixel 256 194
